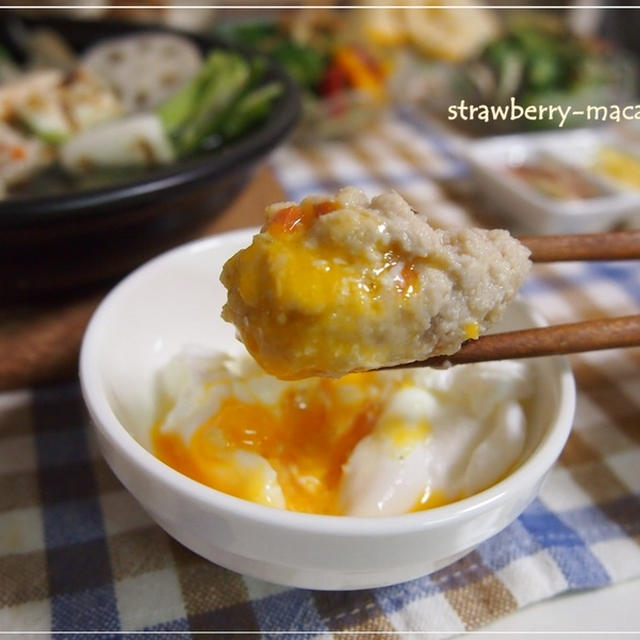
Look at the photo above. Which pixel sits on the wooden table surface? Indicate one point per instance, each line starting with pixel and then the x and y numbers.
pixel 41 343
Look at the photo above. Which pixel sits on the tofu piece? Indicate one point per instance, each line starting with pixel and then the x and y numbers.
pixel 20 157
pixel 342 284
pixel 79 101
pixel 17 91
pixel 54 106
pixel 88 100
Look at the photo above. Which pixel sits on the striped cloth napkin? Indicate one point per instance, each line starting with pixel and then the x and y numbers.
pixel 77 553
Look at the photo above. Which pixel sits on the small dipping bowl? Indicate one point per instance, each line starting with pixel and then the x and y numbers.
pixel 175 300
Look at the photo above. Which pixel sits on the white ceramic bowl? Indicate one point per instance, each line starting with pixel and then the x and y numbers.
pixel 175 300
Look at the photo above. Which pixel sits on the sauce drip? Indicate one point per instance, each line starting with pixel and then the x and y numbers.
pixel 307 437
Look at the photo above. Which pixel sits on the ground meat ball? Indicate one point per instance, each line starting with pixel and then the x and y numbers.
pixel 341 284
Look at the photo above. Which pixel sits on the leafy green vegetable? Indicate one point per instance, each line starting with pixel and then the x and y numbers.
pixel 250 109
pixel 549 58
pixel 176 110
pixel 305 63
pixel 222 101
pixel 257 34
pixel 229 76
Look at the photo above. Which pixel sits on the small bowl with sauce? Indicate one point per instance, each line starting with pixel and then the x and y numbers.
pixel 540 183
pixel 128 343
pixel 556 181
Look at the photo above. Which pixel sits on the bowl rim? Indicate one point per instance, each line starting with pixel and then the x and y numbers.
pixel 533 469
pixel 208 165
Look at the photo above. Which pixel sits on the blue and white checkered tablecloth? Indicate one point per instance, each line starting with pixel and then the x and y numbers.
pixel 77 553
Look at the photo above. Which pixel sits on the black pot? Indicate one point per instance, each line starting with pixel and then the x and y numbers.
pixel 75 240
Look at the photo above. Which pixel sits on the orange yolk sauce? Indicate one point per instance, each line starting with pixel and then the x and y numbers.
pixel 291 220
pixel 306 437
pixel 291 295
pixel 299 217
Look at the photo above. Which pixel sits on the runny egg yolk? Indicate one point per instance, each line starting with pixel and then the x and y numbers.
pixel 472 330
pixel 283 279
pixel 307 436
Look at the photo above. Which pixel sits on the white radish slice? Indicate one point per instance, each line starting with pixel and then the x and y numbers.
pixel 137 141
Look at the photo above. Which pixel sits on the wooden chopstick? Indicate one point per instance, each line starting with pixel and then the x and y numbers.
pixel 561 339
pixel 614 245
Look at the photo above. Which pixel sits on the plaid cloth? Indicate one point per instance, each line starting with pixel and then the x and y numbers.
pixel 77 553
